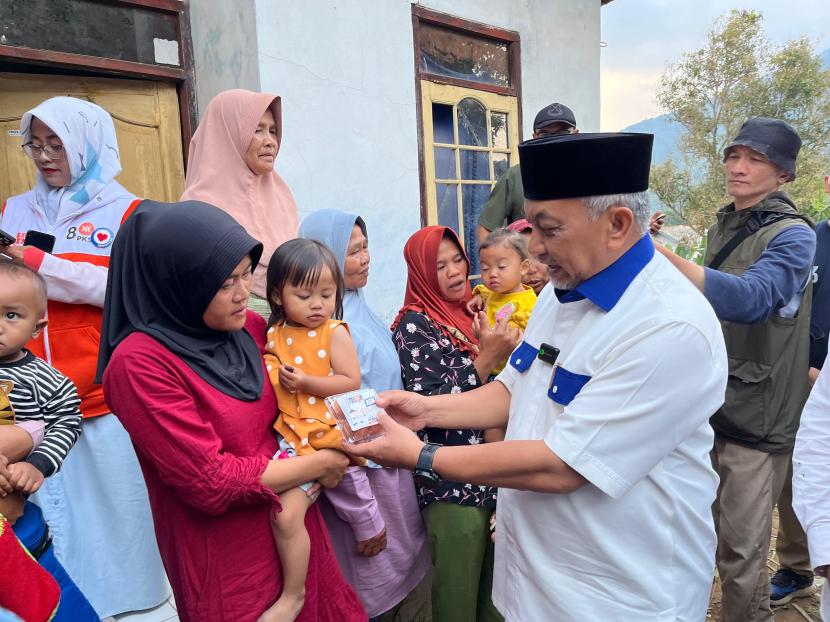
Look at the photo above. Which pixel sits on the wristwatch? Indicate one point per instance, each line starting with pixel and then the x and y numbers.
pixel 424 475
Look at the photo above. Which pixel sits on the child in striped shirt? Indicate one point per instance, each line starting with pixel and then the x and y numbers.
pixel 34 396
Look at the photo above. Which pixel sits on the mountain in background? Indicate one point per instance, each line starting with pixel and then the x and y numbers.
pixel 667 132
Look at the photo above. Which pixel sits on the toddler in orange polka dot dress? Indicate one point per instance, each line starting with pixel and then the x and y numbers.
pixel 309 356
pixel 304 421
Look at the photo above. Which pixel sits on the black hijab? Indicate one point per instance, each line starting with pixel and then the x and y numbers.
pixel 168 262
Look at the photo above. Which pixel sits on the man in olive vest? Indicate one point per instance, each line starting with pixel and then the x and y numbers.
pixel 757 278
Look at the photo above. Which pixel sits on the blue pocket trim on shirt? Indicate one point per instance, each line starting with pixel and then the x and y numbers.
pixel 523 356
pixel 566 385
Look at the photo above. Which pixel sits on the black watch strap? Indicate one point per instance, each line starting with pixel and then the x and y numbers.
pixel 426 457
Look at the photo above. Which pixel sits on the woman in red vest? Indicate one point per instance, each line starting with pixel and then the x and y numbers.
pixel 96 505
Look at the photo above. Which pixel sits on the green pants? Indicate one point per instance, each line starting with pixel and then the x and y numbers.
pixel 416 607
pixel 462 556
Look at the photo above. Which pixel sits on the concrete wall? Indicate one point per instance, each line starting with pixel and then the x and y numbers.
pixel 224 46
pixel 345 71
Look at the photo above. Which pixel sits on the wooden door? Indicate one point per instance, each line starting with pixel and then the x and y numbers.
pixel 146 116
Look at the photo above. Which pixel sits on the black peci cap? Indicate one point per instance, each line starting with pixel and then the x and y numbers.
pixel 773 138
pixel 582 165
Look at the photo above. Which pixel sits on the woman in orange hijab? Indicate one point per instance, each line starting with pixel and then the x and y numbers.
pixel 231 165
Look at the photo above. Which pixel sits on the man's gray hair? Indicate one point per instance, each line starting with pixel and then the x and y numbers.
pixel 637 202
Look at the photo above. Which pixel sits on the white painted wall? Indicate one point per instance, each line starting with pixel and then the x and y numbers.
pixel 224 47
pixel 345 71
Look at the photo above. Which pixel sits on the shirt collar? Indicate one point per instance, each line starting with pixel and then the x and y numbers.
pixel 606 287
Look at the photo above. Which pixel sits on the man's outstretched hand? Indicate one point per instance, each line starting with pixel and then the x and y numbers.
pixel 399 447
pixel 407 408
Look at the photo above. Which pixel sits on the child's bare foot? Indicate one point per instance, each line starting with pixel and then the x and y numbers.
pixel 286 609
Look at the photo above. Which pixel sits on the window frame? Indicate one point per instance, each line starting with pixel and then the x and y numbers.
pixel 475 29
pixel 183 76
pixel 447 94
pixel 470 28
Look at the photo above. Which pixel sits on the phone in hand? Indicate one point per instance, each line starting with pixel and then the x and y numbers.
pixel 6 239
pixel 38 239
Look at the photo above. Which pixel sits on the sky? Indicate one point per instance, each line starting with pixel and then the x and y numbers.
pixel 642 37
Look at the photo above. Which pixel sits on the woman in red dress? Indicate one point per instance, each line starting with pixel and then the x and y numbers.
pixel 185 376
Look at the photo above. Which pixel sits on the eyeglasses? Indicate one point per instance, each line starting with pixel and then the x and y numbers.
pixel 54 152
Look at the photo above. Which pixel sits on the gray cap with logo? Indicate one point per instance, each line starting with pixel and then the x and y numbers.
pixel 775 139
pixel 554 113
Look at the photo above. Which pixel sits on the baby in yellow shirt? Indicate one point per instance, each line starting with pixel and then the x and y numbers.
pixel 504 261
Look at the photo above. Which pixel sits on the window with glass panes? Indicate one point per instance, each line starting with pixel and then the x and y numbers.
pixel 470 119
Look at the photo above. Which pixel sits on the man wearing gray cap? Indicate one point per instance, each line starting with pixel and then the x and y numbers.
pixel 757 278
pixel 506 202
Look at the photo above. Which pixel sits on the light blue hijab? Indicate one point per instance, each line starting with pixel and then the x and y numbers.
pixel 380 368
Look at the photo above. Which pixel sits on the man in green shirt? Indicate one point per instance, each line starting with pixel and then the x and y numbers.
pixel 506 202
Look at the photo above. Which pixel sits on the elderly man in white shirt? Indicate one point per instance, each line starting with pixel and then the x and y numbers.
pixel 606 485
pixel 811 484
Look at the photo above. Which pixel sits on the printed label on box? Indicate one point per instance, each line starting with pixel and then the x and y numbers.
pixel 359 408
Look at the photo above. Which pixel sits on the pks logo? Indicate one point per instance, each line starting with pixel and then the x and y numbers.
pixel 86 228
pixel 102 237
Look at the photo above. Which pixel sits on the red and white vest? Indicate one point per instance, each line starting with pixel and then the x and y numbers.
pixel 76 278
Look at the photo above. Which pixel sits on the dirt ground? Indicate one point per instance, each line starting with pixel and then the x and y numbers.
pixel 798 610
